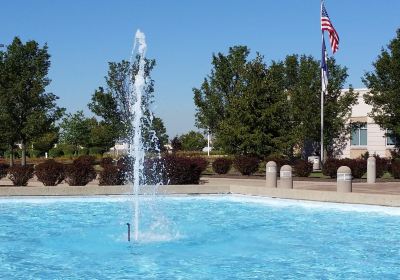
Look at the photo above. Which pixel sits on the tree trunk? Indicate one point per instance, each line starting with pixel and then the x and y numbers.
pixel 23 157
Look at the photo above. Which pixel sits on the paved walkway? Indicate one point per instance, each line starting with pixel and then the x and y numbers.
pixel 380 187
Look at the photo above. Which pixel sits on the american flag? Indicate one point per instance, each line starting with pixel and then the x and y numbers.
pixel 327 25
pixel 324 68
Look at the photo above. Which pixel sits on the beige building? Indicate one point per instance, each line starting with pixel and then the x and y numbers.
pixel 369 137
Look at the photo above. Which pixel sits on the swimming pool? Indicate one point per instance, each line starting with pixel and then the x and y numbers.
pixel 207 237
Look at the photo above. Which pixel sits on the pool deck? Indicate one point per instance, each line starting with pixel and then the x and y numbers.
pixel 381 193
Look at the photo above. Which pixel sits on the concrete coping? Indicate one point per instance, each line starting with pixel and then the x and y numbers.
pixel 297 194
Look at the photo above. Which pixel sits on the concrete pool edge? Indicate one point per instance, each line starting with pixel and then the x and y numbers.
pixel 295 194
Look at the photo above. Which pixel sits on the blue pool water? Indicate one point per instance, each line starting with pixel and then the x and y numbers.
pixel 205 238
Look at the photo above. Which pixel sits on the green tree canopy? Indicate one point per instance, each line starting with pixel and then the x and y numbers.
pixel 113 106
pixel 75 130
pixel 27 111
pixel 253 108
pixel 193 141
pixel 384 89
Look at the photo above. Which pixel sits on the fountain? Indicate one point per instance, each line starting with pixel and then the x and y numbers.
pixel 140 120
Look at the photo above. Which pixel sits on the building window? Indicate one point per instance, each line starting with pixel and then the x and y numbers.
pixel 359 135
pixel 390 139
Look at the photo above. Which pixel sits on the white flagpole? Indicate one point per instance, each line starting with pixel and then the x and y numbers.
pixel 322 102
pixel 322 111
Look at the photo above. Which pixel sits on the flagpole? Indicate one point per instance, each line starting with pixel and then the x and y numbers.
pixel 322 104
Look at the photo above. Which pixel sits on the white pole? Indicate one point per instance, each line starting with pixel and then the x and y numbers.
pixel 322 111
pixel 208 143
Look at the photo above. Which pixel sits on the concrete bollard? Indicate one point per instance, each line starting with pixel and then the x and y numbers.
pixel 270 174
pixel 286 181
pixel 344 183
pixel 371 170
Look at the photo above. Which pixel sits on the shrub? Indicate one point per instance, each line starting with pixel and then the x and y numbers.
pixel 125 167
pixel 246 165
pixel 358 167
pixel 330 167
pixel 382 165
pixel 90 160
pixel 80 172
pixel 154 171
pixel 50 172
pixel 202 163
pixel 3 169
pixel 96 151
pixel 184 170
pixel 20 175
pixel 106 161
pixel 303 168
pixel 110 176
pixel 395 168
pixel 68 150
pixel 222 165
pixel 56 152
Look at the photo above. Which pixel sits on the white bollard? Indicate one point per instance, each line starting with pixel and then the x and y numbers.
pixel 344 179
pixel 286 179
pixel 371 170
pixel 271 174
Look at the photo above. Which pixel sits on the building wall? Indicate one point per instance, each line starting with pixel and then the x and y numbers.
pixel 376 140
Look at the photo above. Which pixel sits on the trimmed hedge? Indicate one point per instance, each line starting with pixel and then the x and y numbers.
pixel 80 172
pixel 382 166
pixel 246 165
pixel 20 175
pixel 303 168
pixel 395 168
pixel 50 172
pixel 358 166
pixel 330 167
pixel 110 176
pixel 3 170
pixel 106 161
pixel 222 165
pixel 184 170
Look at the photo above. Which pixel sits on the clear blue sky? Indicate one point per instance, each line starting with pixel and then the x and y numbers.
pixel 182 35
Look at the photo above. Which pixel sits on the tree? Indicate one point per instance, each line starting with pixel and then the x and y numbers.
pixel 212 98
pixel 156 136
pixel 113 107
pixel 27 111
pixel 384 89
pixel 303 86
pixel 193 141
pixel 253 108
pixel 242 102
pixel 112 104
pixel 176 144
pixel 75 130
pixel 45 142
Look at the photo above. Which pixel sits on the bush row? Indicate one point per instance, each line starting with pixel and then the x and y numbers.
pixel 359 167
pixel 169 169
pixel 173 169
